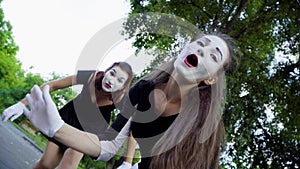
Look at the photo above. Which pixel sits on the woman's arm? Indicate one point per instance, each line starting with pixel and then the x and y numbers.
pixel 81 141
pixel 45 117
pixel 131 145
pixel 16 110
pixel 89 143
pixel 57 84
pixel 110 148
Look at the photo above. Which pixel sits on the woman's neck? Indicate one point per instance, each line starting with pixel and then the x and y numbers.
pixel 177 88
pixel 172 90
pixel 102 94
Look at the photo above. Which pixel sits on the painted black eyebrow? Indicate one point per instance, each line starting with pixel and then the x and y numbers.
pixel 218 50
pixel 220 53
pixel 207 39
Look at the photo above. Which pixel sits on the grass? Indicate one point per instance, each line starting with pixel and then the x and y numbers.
pixel 39 139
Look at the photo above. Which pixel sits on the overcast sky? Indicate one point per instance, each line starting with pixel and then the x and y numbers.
pixel 52 34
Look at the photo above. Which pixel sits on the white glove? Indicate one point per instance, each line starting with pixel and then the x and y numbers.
pixel 110 148
pixel 125 165
pixel 43 115
pixel 136 165
pixel 13 112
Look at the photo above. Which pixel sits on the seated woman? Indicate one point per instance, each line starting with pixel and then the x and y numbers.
pixel 175 111
pixel 89 111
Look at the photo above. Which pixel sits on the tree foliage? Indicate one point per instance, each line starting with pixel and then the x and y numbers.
pixel 262 108
pixel 10 68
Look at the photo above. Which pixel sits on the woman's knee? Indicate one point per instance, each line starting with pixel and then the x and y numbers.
pixel 71 159
pixel 42 164
pixel 51 157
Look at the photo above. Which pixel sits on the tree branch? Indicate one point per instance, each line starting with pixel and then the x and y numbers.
pixel 240 8
pixel 199 7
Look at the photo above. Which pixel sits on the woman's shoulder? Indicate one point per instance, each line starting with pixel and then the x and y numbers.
pixel 145 82
pixel 144 85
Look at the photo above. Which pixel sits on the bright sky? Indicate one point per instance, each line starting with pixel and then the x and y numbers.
pixel 52 34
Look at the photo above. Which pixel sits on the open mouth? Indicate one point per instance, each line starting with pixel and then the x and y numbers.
pixel 191 60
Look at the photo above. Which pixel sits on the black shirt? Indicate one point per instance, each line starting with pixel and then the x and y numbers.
pixel 80 111
pixel 92 118
pixel 147 127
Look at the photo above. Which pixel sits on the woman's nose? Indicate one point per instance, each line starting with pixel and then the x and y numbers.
pixel 200 52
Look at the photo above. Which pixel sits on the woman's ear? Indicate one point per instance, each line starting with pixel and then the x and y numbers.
pixel 210 81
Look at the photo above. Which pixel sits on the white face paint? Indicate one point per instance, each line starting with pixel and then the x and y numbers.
pixel 114 79
pixel 202 58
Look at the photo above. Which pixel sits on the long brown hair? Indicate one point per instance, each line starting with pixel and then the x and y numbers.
pixel 195 137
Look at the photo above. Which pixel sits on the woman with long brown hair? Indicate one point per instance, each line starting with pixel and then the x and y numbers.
pixel 176 110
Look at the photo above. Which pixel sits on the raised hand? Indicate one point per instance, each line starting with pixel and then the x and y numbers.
pixel 43 113
pixel 13 112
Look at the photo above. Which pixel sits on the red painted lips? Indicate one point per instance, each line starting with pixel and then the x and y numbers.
pixel 107 85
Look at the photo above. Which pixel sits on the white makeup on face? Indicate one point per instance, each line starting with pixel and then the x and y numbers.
pixel 114 79
pixel 202 58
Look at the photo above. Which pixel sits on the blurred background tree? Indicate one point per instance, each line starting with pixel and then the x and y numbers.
pixel 263 96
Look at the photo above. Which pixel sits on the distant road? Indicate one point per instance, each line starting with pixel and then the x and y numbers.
pixel 16 150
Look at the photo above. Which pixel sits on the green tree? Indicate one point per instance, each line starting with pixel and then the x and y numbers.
pixel 263 92
pixel 10 68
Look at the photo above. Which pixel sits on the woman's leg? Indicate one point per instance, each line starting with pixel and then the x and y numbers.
pixel 51 157
pixel 70 160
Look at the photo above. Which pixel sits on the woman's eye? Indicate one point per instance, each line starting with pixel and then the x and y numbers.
pixel 214 57
pixel 112 73
pixel 200 43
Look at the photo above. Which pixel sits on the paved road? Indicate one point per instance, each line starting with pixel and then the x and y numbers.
pixel 16 150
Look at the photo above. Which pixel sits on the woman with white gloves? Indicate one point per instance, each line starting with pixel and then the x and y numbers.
pixel 176 110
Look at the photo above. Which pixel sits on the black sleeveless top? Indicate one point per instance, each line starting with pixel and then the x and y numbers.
pixel 147 134
pixel 147 127
pixel 82 105
pixel 92 118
